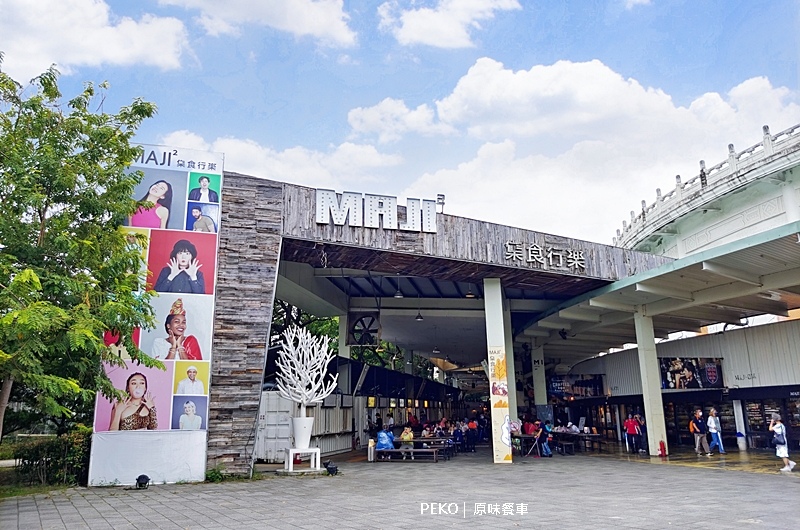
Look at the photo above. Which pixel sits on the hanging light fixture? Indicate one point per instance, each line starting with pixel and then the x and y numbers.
pixel 436 350
pixel 469 294
pixel 418 318
pixel 399 293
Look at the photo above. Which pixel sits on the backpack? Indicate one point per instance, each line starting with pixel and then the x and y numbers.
pixel 692 427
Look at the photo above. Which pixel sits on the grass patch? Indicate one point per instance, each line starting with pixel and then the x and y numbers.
pixel 11 487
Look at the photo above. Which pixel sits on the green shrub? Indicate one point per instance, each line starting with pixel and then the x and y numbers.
pixel 214 475
pixel 62 460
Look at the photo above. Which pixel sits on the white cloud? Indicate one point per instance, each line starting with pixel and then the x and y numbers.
pixel 391 119
pixel 324 20
pixel 346 166
pixel 571 148
pixel 630 4
pixel 447 25
pixel 75 33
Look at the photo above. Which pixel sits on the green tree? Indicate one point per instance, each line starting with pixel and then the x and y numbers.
pixel 67 273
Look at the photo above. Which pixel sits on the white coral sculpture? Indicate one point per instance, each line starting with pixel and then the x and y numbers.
pixel 302 367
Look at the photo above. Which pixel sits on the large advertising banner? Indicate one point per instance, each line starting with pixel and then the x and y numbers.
pixel 159 426
pixel 690 373
pixel 501 421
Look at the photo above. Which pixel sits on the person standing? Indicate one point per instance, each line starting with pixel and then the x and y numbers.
pixel 698 428
pixel 632 431
pixel 781 442
pixel 715 429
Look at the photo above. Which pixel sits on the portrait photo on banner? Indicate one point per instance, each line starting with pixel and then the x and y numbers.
pixel 191 378
pixel 147 400
pixel 204 187
pixel 202 217
pixel 189 412
pixel 184 324
pixel 182 262
pixel 167 191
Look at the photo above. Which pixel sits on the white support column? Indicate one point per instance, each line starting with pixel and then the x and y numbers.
pixel 511 373
pixel 738 416
pixel 498 367
pixel 539 379
pixel 651 383
pixel 344 383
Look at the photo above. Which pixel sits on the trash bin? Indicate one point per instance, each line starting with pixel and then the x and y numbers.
pixel 741 441
pixel 371 451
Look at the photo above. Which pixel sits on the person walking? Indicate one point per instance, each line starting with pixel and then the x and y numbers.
pixel 781 442
pixel 698 427
pixel 715 429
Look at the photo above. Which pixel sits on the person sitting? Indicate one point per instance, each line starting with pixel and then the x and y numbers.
pixel 571 427
pixel 385 441
pixel 407 443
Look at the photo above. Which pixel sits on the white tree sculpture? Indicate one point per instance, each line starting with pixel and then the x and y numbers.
pixel 302 364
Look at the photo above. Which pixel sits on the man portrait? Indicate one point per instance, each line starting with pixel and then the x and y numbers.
pixel 191 385
pixel 203 193
pixel 202 223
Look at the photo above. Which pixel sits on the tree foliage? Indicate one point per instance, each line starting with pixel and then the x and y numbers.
pixel 67 273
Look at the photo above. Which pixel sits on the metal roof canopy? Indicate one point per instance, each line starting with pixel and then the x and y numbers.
pixel 755 275
pixel 573 318
pixel 447 293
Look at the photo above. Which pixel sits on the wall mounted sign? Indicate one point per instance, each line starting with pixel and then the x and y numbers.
pixel 374 211
pixel 547 257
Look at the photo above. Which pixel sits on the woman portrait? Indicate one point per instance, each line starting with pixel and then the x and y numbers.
pixel 137 410
pixel 182 273
pixel 160 195
pixel 177 345
pixel 189 420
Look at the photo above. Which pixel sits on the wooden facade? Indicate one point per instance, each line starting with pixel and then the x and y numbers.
pixel 264 221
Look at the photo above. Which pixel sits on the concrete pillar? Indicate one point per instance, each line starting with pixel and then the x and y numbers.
pixel 539 379
pixel 498 368
pixel 651 383
pixel 511 373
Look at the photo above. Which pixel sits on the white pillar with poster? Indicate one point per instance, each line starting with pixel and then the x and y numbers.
pixel 498 370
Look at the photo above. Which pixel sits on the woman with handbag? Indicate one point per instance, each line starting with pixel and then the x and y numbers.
pixel 781 443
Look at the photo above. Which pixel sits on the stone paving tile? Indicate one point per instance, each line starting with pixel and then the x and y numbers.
pixel 561 493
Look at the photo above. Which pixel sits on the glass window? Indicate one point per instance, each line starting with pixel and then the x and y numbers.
pixel 755 417
pixel 771 406
pixel 793 412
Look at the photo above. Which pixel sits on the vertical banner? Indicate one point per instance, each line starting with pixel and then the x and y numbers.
pixel 501 421
pixel 159 427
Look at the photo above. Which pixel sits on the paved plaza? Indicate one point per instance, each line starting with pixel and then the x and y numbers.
pixel 583 491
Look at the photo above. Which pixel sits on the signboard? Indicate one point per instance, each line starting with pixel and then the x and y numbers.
pixel 566 386
pixel 545 257
pixel 159 427
pixel 374 211
pixel 501 420
pixel 682 373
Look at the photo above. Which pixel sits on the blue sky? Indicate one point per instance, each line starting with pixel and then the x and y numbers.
pixel 554 116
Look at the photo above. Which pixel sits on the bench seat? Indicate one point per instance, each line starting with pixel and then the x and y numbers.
pixel 434 451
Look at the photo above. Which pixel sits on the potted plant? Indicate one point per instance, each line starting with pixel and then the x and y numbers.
pixel 302 369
